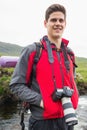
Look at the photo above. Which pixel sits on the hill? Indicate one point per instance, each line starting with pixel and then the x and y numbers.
pixel 10 49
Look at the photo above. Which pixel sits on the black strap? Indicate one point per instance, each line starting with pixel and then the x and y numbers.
pixel 53 77
pixel 72 57
pixel 39 48
pixel 65 56
pixel 22 121
pixel 49 50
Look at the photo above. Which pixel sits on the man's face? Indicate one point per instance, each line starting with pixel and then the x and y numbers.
pixel 55 25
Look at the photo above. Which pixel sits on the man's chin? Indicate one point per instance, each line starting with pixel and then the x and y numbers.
pixel 57 36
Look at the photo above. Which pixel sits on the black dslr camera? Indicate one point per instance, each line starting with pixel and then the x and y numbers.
pixel 65 96
pixel 59 93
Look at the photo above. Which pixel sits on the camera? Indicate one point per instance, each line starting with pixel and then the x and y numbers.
pixel 69 112
pixel 59 93
pixel 65 96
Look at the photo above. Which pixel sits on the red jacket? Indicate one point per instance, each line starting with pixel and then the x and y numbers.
pixel 43 86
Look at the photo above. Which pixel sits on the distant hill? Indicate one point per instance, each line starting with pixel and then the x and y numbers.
pixel 10 49
pixel 81 60
pixel 14 50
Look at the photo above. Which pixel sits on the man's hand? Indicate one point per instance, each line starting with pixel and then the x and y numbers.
pixel 41 104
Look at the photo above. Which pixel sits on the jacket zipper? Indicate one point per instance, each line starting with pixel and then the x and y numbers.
pixel 61 70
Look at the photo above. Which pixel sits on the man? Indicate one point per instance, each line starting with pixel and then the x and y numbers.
pixel 53 80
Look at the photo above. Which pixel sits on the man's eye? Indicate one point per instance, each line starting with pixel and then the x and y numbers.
pixel 53 20
pixel 61 20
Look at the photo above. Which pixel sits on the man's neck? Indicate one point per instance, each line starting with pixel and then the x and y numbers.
pixel 57 42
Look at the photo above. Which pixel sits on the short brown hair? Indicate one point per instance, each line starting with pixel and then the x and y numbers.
pixel 54 8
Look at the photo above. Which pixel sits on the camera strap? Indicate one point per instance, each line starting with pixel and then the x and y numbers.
pixel 49 50
pixel 51 60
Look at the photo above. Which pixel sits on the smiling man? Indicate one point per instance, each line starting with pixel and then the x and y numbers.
pixel 52 94
pixel 55 24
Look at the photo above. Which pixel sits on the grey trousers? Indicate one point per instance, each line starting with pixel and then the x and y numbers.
pixel 49 124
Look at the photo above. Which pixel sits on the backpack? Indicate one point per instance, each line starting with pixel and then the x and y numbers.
pixel 39 48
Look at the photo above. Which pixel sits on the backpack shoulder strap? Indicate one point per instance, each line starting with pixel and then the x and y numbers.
pixel 65 56
pixel 72 56
pixel 39 48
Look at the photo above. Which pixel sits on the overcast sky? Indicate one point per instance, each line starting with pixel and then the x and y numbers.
pixel 21 22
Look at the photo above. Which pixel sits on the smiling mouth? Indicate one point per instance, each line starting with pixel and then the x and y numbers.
pixel 57 29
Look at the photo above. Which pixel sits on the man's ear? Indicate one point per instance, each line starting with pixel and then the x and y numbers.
pixel 65 23
pixel 45 23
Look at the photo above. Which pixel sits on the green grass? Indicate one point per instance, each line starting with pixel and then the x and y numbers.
pixel 82 68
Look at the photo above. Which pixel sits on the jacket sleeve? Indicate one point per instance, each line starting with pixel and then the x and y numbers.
pixel 19 81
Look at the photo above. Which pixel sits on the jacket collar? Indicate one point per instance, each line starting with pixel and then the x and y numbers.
pixel 65 41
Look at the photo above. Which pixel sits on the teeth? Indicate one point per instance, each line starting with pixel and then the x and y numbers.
pixel 57 28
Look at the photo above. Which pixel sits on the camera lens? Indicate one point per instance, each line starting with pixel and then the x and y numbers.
pixel 69 112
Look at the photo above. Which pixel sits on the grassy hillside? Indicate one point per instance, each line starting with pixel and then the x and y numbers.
pixel 10 49
pixel 82 68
